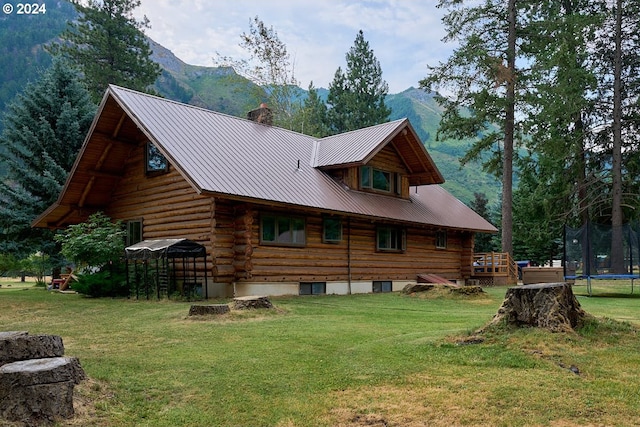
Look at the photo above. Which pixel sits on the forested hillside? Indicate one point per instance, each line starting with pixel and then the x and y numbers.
pixel 22 41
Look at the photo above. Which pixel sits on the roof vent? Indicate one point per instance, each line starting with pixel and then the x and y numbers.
pixel 261 115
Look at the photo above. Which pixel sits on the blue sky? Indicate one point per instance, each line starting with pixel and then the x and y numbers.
pixel 405 35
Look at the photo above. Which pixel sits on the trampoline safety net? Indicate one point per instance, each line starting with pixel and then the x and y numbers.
pixel 588 251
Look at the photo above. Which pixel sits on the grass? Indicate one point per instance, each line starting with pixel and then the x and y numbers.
pixel 360 360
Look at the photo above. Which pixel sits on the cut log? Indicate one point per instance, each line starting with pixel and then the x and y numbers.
pixel 552 306
pixel 38 391
pixel 244 303
pixel 203 310
pixel 19 345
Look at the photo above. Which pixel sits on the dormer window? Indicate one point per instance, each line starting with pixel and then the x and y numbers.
pixel 376 179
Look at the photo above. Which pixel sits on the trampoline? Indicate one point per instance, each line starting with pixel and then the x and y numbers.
pixel 589 253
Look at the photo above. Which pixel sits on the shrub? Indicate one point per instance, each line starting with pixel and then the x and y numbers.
pixel 110 281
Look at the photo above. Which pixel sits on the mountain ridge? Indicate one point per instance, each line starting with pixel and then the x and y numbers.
pixel 222 89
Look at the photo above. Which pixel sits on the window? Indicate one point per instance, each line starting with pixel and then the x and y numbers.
pixel 133 232
pixel 441 239
pixel 376 179
pixel 380 286
pixel 391 239
pixel 313 288
pixel 331 230
pixel 155 162
pixel 282 230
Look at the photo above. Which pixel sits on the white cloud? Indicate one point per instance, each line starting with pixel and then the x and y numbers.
pixel 404 34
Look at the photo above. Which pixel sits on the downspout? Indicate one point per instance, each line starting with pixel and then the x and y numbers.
pixel 349 254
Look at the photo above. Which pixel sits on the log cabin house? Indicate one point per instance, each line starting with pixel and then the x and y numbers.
pixel 279 212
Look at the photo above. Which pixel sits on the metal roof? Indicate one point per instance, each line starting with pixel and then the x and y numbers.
pixel 167 248
pixel 224 155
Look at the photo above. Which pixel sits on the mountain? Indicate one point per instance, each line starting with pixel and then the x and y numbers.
pixel 221 89
pixel 22 41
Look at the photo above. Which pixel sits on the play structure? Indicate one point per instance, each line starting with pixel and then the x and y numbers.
pixel 589 253
pixel 165 267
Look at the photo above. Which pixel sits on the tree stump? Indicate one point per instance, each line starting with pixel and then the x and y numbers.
pixel 19 345
pixel 249 302
pixel 203 310
pixel 36 382
pixel 552 306
pixel 39 390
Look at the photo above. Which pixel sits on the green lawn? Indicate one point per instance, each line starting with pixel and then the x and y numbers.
pixel 360 360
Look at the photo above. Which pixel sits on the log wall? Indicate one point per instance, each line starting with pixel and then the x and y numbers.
pixel 356 257
pixel 170 208
pixel 167 205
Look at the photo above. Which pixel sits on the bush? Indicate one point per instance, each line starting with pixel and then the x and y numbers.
pixel 110 281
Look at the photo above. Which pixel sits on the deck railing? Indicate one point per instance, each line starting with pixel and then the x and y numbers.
pixel 494 264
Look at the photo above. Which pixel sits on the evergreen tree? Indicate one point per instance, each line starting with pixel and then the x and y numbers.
pixel 313 115
pixel 553 185
pixel 43 130
pixel 619 77
pixel 356 97
pixel 483 242
pixel 109 46
pixel 483 81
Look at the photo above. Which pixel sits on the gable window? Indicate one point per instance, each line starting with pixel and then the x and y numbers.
pixel 313 288
pixel 376 179
pixel 331 230
pixel 380 286
pixel 441 239
pixel 280 229
pixel 391 239
pixel 133 232
pixel 155 162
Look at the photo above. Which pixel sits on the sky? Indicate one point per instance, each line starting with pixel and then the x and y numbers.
pixel 405 35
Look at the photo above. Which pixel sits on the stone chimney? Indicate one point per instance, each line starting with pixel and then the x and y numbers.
pixel 261 115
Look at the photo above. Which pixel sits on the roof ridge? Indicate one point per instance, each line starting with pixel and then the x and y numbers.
pixel 195 107
pixel 368 128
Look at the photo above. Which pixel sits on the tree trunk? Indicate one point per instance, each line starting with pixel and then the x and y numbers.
pixel 509 132
pixel 617 251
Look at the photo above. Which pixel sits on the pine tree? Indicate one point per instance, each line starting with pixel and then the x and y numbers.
pixel 357 96
pixel 313 115
pixel 483 81
pixel 43 130
pixel 556 184
pixel 109 46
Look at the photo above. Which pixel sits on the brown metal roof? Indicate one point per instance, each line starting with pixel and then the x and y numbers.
pixel 224 155
pixel 341 150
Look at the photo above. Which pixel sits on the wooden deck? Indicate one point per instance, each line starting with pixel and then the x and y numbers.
pixel 494 268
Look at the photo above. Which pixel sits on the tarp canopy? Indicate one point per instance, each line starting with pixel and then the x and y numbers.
pixel 164 248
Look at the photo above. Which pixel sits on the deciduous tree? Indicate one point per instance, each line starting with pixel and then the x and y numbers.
pixel 269 66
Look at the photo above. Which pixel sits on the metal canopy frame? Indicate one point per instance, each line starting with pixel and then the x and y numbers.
pixel 156 257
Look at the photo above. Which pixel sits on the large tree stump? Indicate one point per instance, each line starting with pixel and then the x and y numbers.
pixel 244 303
pixel 551 306
pixel 39 390
pixel 36 382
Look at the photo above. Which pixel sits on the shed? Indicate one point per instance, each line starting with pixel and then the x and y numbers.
pixel 165 266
